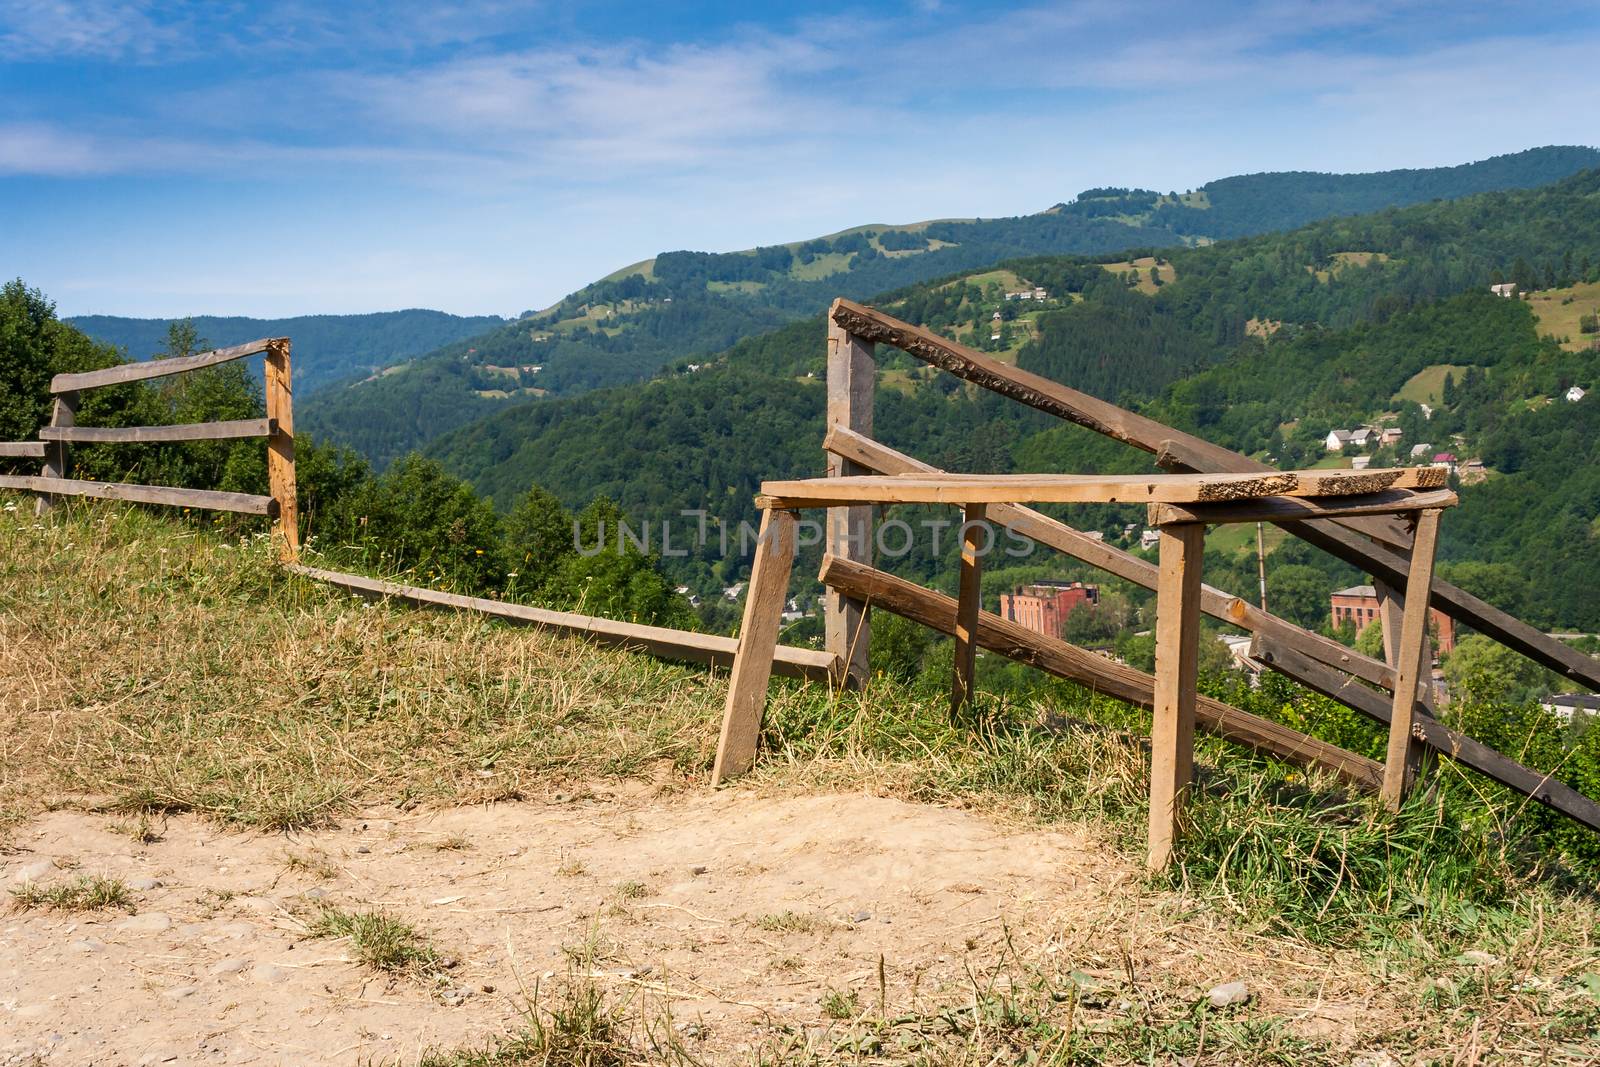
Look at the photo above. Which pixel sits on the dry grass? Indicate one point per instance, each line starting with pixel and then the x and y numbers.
pixel 176 673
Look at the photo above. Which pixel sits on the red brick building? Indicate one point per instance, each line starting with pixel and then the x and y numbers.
pixel 1044 606
pixel 1359 605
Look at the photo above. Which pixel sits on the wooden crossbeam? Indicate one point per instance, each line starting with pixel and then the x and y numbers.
pixel 1174 489
pixel 155 368
pixel 1117 680
pixel 202 499
pixel 188 431
pixel 682 645
pixel 1276 508
pixel 1333 536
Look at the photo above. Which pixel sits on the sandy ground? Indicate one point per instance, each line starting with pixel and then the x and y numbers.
pixel 213 966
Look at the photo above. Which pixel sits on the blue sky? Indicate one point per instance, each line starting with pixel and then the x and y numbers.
pixel 290 158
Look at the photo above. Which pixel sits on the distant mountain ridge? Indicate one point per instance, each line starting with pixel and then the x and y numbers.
pixel 327 348
pixel 680 307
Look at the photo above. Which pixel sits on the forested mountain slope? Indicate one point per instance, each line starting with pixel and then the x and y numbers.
pixel 1263 344
pixel 327 348
pixel 681 306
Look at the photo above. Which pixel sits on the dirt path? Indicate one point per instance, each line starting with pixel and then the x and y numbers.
pixel 742 912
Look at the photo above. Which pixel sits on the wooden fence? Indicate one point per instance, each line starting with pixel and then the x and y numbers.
pixel 56 438
pixel 1379 544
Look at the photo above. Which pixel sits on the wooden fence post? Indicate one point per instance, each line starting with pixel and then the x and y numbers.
pixel 968 605
pixel 1177 671
pixel 1400 765
pixel 64 412
pixel 851 374
pixel 280 450
pixel 758 638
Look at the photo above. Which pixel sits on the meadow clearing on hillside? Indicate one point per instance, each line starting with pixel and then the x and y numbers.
pixel 341 832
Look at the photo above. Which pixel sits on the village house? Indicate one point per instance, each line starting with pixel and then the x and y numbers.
pixel 1575 394
pixel 1358 605
pixel 1150 539
pixel 1447 460
pixel 1360 463
pixel 1419 451
pixel 1390 435
pixel 1505 289
pixel 1043 607
pixel 1337 439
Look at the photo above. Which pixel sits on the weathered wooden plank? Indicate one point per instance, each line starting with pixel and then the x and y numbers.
pixel 1400 765
pixel 280 450
pixel 758 638
pixel 877 456
pixel 1174 698
pixel 680 645
pixel 964 685
pixel 1180 456
pixel 188 431
pixel 203 499
pixel 1175 489
pixel 1541 787
pixel 22 449
pixel 1117 680
pixel 1289 508
pixel 852 377
pixel 154 368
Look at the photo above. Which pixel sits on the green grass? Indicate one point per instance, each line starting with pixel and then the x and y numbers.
pixel 1427 385
pixel 86 892
pixel 1558 311
pixel 1239 539
pixel 377 940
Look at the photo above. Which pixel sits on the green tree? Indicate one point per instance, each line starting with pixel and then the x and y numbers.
pixel 539 537
pixel 609 575
pixel 425 522
pixel 1484 671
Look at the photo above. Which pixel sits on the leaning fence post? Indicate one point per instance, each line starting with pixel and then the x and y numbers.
pixel 1400 765
pixel 851 373
pixel 63 412
pixel 280 450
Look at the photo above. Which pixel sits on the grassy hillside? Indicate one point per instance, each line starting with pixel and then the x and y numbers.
pixel 685 305
pixel 151 674
pixel 1345 345
pixel 327 348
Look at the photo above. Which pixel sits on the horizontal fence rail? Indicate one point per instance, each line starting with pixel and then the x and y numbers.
pixel 156 368
pixel 202 499
pixel 683 645
pixel 22 449
pixel 186 431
